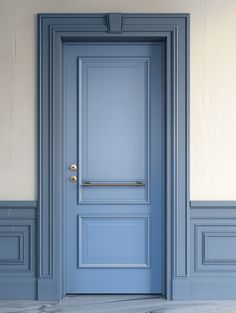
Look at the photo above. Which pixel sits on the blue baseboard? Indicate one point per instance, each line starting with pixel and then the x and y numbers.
pixel 18 288
pixel 204 288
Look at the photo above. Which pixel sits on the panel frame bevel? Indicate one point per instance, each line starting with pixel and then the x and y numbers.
pixel 53 31
pixel 18 277
pixel 25 230
pixel 200 229
pixel 207 260
pixel 80 137
pixel 100 216
pixel 20 259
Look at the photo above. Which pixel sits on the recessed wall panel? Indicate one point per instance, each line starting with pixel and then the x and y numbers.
pixel 213 247
pixel 17 247
pixel 10 247
pixel 220 247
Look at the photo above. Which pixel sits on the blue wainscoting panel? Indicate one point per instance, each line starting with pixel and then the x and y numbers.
pixel 14 247
pixel 212 252
pixel 18 250
pixel 213 247
pixel 11 247
pixel 219 247
pixel 113 242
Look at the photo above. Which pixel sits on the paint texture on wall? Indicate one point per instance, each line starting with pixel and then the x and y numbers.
pixel 212 90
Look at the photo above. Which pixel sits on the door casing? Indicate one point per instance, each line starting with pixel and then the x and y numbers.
pixel 53 31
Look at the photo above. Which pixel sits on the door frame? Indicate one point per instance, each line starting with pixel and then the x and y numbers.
pixel 55 29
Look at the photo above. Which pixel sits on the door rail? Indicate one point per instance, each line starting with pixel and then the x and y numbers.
pixel 88 183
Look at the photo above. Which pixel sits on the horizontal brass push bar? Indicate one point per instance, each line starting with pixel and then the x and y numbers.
pixel 87 183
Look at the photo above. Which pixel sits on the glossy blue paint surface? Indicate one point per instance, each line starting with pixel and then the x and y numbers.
pixel 114 132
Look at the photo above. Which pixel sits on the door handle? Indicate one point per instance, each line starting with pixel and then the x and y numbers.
pixel 88 183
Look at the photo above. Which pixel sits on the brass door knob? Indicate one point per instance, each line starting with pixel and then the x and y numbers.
pixel 73 179
pixel 73 167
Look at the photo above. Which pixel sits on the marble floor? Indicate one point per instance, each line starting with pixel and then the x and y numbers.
pixel 117 304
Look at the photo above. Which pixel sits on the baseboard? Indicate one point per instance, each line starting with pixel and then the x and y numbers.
pixel 18 288
pixel 204 289
pixel 48 290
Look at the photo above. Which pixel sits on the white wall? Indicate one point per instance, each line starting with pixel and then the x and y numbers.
pixel 212 90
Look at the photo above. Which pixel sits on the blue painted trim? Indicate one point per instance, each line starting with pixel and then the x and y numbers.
pixel 18 288
pixel 212 204
pixel 18 204
pixel 205 288
pixel 53 30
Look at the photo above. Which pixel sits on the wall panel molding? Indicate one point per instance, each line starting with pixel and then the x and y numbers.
pixel 212 251
pixel 213 247
pixel 18 246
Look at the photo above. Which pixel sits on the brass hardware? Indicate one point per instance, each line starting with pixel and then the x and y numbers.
pixel 73 167
pixel 87 183
pixel 73 179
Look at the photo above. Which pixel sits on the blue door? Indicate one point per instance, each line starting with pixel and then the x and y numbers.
pixel 114 167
